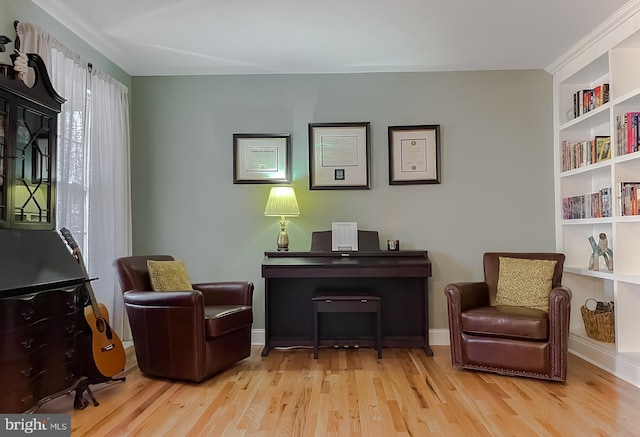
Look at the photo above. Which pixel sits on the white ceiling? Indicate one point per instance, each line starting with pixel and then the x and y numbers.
pixel 173 37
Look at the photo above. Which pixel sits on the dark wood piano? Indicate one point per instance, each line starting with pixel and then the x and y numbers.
pixel 399 278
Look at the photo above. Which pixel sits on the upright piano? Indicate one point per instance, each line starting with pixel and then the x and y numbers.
pixel 400 279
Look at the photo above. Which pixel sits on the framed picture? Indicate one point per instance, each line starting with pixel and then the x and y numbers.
pixel 261 158
pixel 414 154
pixel 339 156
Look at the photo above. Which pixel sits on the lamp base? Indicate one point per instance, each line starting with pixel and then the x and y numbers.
pixel 283 241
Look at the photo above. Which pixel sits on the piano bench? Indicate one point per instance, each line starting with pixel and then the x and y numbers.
pixel 342 303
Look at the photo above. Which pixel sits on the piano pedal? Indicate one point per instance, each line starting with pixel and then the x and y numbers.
pixel 356 345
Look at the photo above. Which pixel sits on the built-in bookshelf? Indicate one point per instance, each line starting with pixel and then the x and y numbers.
pixel 596 189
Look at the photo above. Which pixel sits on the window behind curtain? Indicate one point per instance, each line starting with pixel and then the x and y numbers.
pixel 93 178
pixel 73 184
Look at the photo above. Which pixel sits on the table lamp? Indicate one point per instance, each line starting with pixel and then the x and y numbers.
pixel 282 203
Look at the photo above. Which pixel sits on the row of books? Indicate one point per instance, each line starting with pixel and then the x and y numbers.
pixel 629 198
pixel 627 133
pixel 581 153
pixel 594 205
pixel 589 99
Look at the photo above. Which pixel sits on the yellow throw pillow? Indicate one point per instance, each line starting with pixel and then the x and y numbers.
pixel 168 276
pixel 525 282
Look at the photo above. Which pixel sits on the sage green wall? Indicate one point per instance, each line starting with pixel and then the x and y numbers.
pixel 25 11
pixel 497 163
pixel 497 168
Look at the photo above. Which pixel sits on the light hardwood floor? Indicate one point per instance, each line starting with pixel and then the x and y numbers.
pixel 351 393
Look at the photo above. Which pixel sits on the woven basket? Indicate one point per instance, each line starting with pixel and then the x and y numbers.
pixel 599 325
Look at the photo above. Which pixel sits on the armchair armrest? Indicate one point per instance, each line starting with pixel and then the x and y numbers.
pixel 164 298
pixel 226 293
pixel 559 317
pixel 462 296
pixel 467 295
pixel 559 302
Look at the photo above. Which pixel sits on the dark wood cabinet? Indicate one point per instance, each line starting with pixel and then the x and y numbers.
pixel 28 125
pixel 40 346
pixel 43 341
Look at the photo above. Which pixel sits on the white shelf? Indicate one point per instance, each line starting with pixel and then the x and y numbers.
pixel 613 58
pixel 631 98
pixel 603 165
pixel 595 117
pixel 591 273
pixel 589 221
pixel 629 279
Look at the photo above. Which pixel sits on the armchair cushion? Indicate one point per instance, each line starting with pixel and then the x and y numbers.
pixel 168 275
pixel 525 282
pixel 507 322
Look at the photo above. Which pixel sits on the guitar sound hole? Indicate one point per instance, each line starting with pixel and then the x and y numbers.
pixel 100 325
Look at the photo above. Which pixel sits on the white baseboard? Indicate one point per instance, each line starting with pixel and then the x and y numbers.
pixel 604 356
pixel 437 337
pixel 257 337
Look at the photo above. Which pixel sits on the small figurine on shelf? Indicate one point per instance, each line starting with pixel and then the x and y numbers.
pixel 601 249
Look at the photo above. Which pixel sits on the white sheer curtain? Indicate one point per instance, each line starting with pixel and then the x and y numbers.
pixel 93 186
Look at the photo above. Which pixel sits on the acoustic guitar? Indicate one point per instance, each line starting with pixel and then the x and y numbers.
pixel 108 352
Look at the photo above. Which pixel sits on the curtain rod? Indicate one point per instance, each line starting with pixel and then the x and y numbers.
pixel 17 44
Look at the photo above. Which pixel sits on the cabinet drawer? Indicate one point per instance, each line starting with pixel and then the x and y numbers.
pixel 23 369
pixel 59 361
pixel 53 333
pixel 29 308
pixel 20 397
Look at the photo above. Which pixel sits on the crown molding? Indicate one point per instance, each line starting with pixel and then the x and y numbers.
pixel 609 25
pixel 69 19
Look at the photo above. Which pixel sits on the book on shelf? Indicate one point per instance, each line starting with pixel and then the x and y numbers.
pixel 632 136
pixel 586 100
pixel 581 153
pixel 632 130
pixel 605 93
pixel 592 205
pixel 603 148
pixel 605 201
pixel 628 198
pixel 597 95
pixel 578 154
pixel 596 206
pixel 621 135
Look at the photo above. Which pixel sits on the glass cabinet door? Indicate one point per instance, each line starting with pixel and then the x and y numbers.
pixel 32 188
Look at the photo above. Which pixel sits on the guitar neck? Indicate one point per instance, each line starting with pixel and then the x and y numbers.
pixel 78 256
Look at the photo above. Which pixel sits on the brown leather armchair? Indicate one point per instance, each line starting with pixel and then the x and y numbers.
pixel 509 340
pixel 188 335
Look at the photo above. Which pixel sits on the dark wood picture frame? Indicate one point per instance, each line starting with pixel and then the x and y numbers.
pixel 261 158
pixel 339 156
pixel 414 154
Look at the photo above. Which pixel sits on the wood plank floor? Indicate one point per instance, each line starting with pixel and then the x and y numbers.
pixel 351 393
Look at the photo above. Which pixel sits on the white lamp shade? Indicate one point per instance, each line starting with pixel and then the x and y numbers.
pixel 282 202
